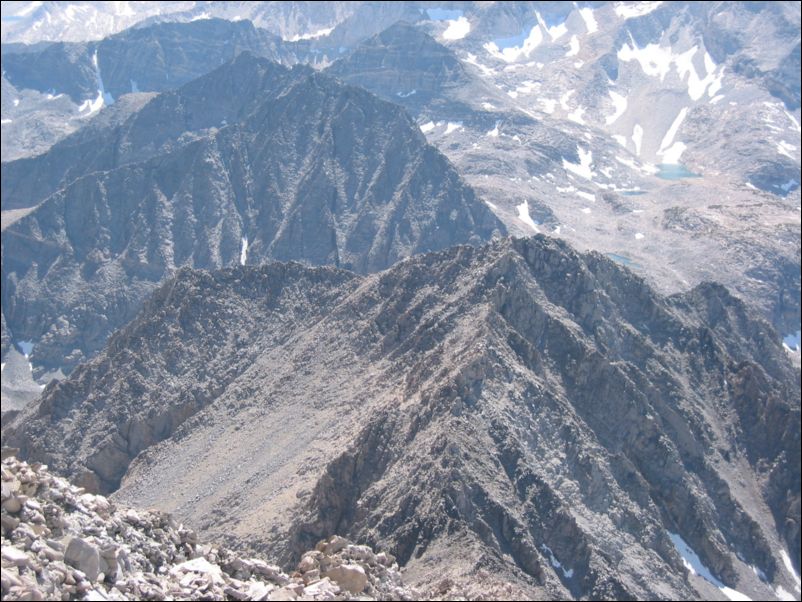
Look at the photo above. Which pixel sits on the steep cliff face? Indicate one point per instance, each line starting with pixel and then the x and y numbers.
pixel 295 166
pixel 542 414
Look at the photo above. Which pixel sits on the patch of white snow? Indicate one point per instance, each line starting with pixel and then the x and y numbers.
pixel 620 104
pixel 573 46
pixel 452 126
pixel 576 115
pixel 523 215
pixel 581 169
pixel 694 565
pixel 515 53
pixel 670 150
pixel 589 19
pixel 458 29
pixel 567 573
pixel 320 33
pixel 629 10
pixel 786 149
pixel 243 254
pixel 637 138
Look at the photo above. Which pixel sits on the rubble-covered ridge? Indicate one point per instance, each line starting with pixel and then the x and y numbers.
pixel 61 543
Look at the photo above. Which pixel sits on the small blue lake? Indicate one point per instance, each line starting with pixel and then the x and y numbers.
pixel 675 172
pixel 623 260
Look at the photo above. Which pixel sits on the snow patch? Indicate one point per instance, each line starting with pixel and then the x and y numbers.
pixel 638 236
pixel 405 94
pixel 512 54
pixel 523 215
pixel 653 58
pixel 792 343
pixel 103 97
pixel 622 140
pixel 581 169
pixel 564 100
pixel 628 10
pixel 586 210
pixel 16 103
pixel 760 574
pixel 487 106
pixel 320 33
pixel 5 121
pixel 427 127
pixel 92 106
pixel 786 149
pixel 472 60
pixel 694 565
pixel 673 153
pixel 791 117
pixel 243 254
pixel 789 566
pixel 669 150
pixel 589 19
pixel 567 573
pixel 784 594
pixel 457 30
pixel 637 138
pixel 452 127
pixel 491 205
pixel 696 85
pixel 586 195
pixel 576 115
pixel 573 46
pixel 548 105
pixel 494 132
pixel 646 168
pixel 620 104
pixel 555 32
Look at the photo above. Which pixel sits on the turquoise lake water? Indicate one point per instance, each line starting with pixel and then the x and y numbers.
pixel 675 172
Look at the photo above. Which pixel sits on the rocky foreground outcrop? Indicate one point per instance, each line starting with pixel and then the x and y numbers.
pixel 61 543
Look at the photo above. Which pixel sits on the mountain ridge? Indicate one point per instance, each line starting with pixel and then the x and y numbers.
pixel 481 377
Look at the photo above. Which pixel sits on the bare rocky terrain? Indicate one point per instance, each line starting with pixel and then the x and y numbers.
pixel 256 280
pixel 541 414
pixel 62 543
pixel 199 178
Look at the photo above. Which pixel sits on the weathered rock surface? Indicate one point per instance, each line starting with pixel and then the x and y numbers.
pixel 65 544
pixel 296 166
pixel 516 415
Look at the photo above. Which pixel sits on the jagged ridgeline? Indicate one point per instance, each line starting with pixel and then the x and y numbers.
pixel 513 413
pixel 294 166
